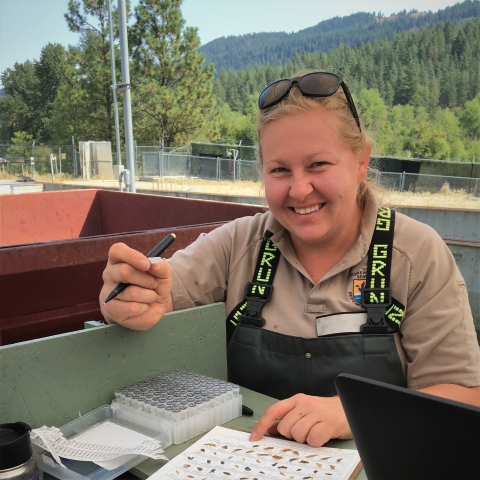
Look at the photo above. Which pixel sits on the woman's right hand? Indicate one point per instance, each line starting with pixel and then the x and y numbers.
pixel 147 299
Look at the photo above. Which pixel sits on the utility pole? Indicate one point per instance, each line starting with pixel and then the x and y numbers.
pixel 125 87
pixel 114 84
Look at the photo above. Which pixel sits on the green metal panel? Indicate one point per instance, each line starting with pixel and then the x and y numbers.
pixel 50 381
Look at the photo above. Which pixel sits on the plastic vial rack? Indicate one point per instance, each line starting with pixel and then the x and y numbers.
pixel 192 404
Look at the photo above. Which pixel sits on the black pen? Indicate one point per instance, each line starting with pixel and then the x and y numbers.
pixel 156 251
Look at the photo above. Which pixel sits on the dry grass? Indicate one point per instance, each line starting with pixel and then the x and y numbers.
pixel 446 198
pixel 458 199
pixel 241 188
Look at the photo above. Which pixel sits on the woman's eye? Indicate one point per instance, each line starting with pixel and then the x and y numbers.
pixel 318 164
pixel 279 170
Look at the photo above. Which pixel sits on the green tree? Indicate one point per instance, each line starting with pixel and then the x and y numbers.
pixel 447 124
pixel 85 104
pixel 396 135
pixel 18 106
pixel 19 143
pixel 407 89
pixel 470 118
pixel 4 136
pixel 372 109
pixel 50 73
pixel 31 88
pixel 172 95
pixel 230 124
pixel 72 111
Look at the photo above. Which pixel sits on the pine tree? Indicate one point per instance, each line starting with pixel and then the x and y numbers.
pixel 172 90
pixel 92 71
pixel 50 73
pixel 18 107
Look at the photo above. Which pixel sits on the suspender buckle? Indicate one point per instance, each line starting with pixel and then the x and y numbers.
pixel 256 295
pixel 376 301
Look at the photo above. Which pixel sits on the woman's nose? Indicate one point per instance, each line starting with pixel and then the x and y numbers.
pixel 300 187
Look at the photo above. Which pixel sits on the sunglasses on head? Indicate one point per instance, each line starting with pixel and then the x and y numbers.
pixel 318 84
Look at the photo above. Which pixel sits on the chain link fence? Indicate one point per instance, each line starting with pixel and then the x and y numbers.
pixel 212 162
pixel 157 162
pixel 35 159
pixel 164 164
pixel 420 183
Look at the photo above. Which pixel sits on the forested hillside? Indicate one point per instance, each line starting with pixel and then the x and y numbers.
pixel 238 52
pixel 418 92
pixel 435 67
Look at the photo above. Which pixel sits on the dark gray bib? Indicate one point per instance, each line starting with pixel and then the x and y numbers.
pixel 281 366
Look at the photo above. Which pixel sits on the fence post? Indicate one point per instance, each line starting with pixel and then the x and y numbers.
pixel 475 190
pixel 136 157
pixel 75 169
pixel 161 154
pixel 51 167
pixel 402 182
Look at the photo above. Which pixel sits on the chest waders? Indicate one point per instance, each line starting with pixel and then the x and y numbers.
pixel 282 365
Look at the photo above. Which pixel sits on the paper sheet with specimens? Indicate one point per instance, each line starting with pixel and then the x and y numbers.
pixel 106 444
pixel 226 453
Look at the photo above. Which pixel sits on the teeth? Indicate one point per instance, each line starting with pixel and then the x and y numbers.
pixel 304 211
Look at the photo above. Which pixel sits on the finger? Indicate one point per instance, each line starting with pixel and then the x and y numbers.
pixel 135 293
pixel 295 423
pixel 319 434
pixel 273 431
pixel 126 273
pixel 126 312
pixel 121 253
pixel 160 269
pixel 135 315
pixel 301 429
pixel 273 413
pixel 162 273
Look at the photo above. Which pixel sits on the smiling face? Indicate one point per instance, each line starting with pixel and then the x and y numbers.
pixel 311 179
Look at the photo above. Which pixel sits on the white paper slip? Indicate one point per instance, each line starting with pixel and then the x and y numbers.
pixel 226 453
pixel 102 444
pixel 109 433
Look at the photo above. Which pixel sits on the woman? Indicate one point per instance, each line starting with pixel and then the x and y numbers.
pixel 293 277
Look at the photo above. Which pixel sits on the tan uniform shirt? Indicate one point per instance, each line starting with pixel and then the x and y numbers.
pixel 437 342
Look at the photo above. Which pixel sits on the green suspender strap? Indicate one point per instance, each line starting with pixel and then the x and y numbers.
pixel 384 312
pixel 259 291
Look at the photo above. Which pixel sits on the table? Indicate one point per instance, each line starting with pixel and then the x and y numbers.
pixel 51 380
pixel 258 403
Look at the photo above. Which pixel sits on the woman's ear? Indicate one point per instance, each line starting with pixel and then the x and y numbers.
pixel 363 162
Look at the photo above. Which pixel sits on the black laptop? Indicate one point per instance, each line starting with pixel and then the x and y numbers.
pixel 402 434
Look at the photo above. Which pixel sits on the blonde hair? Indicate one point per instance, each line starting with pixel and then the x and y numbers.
pixel 295 102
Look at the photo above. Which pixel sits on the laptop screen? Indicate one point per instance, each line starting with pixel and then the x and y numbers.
pixel 407 435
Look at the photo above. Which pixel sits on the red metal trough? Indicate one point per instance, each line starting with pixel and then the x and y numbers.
pixel 54 246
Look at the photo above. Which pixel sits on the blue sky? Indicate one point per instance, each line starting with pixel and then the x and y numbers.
pixel 26 26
